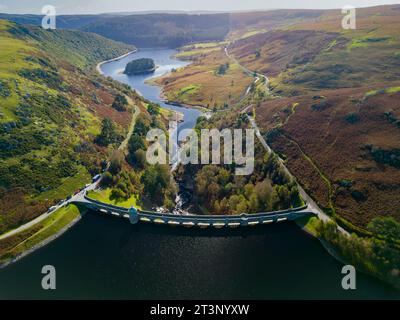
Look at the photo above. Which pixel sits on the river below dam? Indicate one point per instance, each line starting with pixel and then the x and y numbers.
pixel 108 258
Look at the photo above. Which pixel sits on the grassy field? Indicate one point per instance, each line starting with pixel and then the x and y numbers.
pixel 196 52
pixel 199 84
pixel 104 196
pixel 204 45
pixel 251 33
pixel 308 224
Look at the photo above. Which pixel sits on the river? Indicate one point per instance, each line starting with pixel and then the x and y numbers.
pixel 107 258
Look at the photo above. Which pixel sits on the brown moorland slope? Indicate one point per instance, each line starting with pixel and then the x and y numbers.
pixel 277 51
pixel 343 148
pixel 320 54
pixel 335 115
pixel 246 24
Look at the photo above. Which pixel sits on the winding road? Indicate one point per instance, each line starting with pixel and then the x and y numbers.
pixel 248 71
pixel 74 198
pixel 312 205
pixel 47 214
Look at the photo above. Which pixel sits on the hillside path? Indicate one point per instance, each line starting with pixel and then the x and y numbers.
pixel 312 205
pixel 92 186
pixel 136 113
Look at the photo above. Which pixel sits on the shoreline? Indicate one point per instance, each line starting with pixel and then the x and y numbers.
pixel 153 81
pixel 164 99
pixel 162 96
pixel 98 66
pixel 43 243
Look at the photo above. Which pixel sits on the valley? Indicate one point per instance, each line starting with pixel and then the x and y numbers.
pixel 326 113
pixel 324 99
pixel 308 122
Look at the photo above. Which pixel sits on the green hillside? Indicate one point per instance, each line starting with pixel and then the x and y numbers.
pixel 50 114
pixel 82 49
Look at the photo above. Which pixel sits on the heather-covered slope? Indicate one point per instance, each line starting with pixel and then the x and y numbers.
pixel 334 113
pixel 333 109
pixel 320 54
pixel 343 146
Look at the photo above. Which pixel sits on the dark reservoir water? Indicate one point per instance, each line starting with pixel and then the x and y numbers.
pixel 107 258
pixel 104 257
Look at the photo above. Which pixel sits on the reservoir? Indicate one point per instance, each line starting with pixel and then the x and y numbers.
pixel 165 63
pixel 107 258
